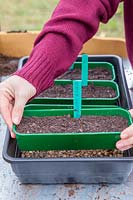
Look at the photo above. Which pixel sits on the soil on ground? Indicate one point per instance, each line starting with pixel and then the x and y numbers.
pixel 8 65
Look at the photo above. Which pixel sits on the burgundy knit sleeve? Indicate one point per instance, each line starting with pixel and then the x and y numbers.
pixel 72 23
pixel 128 18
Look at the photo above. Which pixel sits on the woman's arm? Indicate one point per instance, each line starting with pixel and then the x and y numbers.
pixel 56 48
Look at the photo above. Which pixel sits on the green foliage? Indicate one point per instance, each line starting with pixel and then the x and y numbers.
pixel 23 14
pixel 32 14
pixel 115 26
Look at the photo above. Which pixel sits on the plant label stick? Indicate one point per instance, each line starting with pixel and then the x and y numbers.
pixel 84 70
pixel 77 94
pixel 72 67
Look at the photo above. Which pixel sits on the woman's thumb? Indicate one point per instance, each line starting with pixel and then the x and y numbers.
pixel 18 109
pixel 131 112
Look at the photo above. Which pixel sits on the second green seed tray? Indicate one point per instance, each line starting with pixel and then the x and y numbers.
pixel 85 101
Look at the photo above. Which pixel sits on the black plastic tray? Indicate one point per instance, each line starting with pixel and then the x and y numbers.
pixel 75 170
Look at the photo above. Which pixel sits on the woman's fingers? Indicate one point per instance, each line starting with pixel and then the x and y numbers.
pixel 14 93
pixel 124 148
pixel 131 112
pixel 128 132
pixel 122 144
pixel 126 141
pixel 18 108
pixel 5 109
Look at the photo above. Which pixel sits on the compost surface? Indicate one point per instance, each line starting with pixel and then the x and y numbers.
pixel 91 91
pixel 8 65
pixel 66 124
pixel 72 154
pixel 98 73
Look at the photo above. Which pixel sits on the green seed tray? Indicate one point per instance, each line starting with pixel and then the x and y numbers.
pixel 93 65
pixel 85 101
pixel 40 107
pixel 67 141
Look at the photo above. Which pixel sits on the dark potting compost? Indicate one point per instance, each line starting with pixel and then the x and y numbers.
pixel 91 91
pixel 8 65
pixel 98 73
pixel 67 124
pixel 72 154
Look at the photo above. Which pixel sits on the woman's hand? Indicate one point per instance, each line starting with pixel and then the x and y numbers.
pixel 126 141
pixel 14 94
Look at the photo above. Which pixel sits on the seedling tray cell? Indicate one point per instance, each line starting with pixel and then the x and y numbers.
pixel 88 101
pixel 69 75
pixel 75 141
